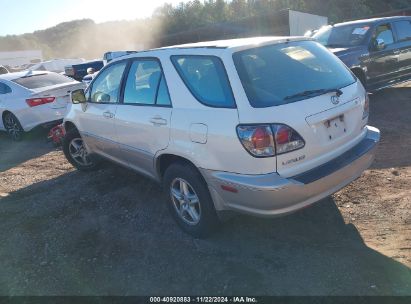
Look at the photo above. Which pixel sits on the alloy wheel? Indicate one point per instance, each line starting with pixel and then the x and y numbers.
pixel 79 152
pixel 185 201
pixel 13 127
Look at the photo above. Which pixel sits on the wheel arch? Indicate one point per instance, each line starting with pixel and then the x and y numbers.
pixel 163 161
pixel 5 112
pixel 68 126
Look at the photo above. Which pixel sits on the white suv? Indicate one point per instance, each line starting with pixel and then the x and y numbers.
pixel 263 126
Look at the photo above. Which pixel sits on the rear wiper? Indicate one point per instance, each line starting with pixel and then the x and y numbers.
pixel 314 92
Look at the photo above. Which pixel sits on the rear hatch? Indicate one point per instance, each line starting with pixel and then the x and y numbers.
pixel 303 86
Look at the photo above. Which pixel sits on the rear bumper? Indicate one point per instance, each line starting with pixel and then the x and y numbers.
pixel 272 195
pixel 46 117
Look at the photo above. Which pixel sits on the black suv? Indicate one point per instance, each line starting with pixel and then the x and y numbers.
pixel 378 51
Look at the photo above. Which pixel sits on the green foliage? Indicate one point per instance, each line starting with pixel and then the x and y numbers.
pixel 84 38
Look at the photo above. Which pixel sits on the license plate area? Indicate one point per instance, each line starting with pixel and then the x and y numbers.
pixel 335 127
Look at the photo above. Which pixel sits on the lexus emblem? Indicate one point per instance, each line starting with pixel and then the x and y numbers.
pixel 335 99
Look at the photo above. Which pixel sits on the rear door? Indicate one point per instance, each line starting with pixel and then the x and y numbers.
pixel 96 121
pixel 143 118
pixel 403 30
pixel 383 64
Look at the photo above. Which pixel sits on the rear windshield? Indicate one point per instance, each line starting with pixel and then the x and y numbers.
pixel 283 73
pixel 42 80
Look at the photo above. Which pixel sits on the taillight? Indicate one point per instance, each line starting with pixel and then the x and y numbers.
pixel 269 140
pixel 258 140
pixel 33 102
pixel 286 139
pixel 366 111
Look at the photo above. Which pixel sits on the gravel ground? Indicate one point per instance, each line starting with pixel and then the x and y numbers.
pixel 108 232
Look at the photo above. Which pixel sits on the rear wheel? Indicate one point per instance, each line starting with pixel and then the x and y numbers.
pixel 76 152
pixel 189 200
pixel 13 127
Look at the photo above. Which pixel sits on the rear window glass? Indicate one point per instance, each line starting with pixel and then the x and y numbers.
pixel 283 73
pixel 403 30
pixel 206 78
pixel 4 89
pixel 42 80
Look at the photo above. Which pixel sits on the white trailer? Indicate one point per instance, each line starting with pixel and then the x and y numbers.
pixel 299 22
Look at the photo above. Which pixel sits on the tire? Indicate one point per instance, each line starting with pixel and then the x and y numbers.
pixel 13 127
pixel 73 145
pixel 183 201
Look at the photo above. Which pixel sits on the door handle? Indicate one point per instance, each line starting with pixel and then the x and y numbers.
pixel 108 114
pixel 158 120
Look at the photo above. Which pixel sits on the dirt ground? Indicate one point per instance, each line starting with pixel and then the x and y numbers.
pixel 64 232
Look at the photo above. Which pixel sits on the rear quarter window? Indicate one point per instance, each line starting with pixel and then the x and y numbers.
pixel 403 30
pixel 4 89
pixel 42 80
pixel 206 78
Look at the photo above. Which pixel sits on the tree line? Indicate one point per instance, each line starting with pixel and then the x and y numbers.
pixel 84 38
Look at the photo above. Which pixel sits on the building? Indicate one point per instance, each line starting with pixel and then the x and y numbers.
pixel 20 58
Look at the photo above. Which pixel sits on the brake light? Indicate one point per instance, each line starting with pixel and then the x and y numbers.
pixel 269 140
pixel 366 111
pixel 258 140
pixel 286 139
pixel 33 102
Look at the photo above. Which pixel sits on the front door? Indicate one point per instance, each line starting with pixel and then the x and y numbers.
pixel 143 118
pixel 97 119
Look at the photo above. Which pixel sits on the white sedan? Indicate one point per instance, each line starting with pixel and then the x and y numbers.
pixel 30 99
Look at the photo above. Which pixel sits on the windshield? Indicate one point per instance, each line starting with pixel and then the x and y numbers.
pixel 343 35
pixel 42 80
pixel 283 73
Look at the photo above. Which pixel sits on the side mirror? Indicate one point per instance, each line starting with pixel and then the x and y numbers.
pixel 379 44
pixel 78 96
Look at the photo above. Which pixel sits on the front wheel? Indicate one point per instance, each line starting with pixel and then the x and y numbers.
pixel 189 200
pixel 13 127
pixel 76 152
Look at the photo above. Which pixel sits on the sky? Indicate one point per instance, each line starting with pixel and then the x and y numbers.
pixel 27 16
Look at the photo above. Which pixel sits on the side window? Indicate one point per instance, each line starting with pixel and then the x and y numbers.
pixel 4 89
pixel 106 87
pixel 146 84
pixel 384 32
pixel 403 30
pixel 206 78
pixel 163 98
